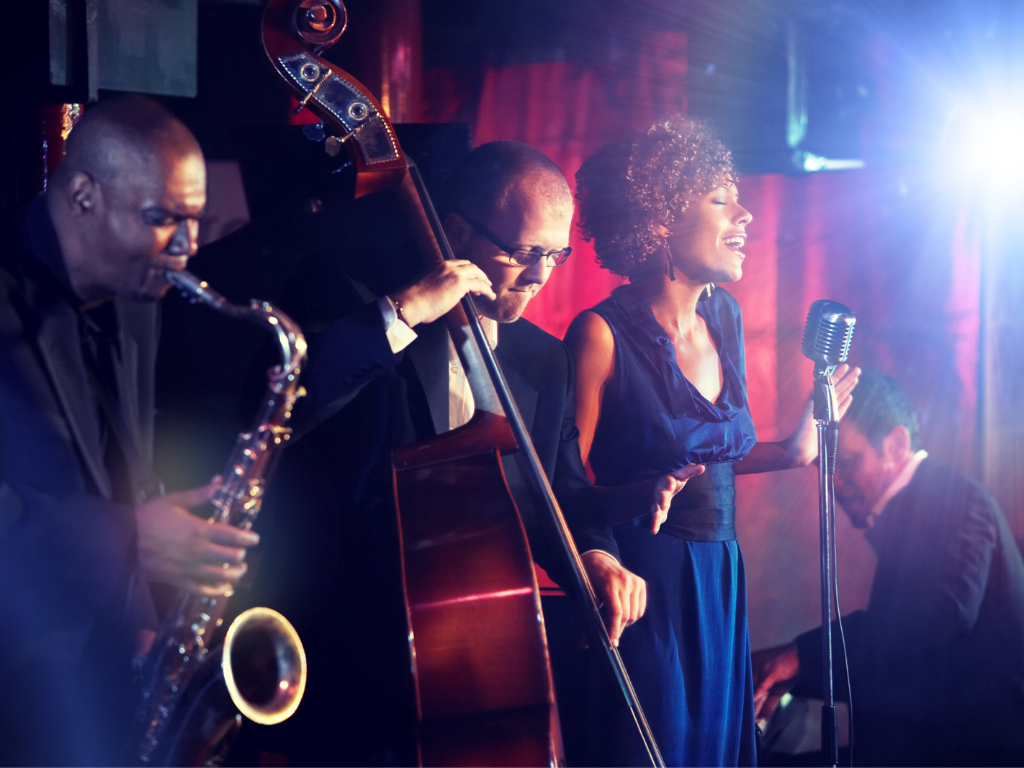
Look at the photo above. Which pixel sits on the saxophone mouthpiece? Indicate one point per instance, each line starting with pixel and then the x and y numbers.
pixel 182 279
pixel 193 288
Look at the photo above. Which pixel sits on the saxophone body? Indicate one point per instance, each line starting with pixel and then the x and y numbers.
pixel 190 694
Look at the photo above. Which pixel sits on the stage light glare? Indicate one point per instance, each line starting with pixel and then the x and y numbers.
pixel 990 146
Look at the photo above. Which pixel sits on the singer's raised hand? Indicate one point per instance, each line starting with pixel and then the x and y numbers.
pixel 803 443
pixel 845 379
pixel 801 447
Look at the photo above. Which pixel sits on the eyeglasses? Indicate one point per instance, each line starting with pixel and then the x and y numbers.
pixel 522 257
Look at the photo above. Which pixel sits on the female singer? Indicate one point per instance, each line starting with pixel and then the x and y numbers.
pixel 661 384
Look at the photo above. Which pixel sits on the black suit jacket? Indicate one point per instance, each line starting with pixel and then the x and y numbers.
pixel 354 353
pixel 67 545
pixel 333 566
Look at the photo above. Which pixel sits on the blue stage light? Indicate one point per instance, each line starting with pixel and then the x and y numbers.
pixel 987 145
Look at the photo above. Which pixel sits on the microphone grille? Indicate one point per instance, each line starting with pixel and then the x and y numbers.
pixel 828 332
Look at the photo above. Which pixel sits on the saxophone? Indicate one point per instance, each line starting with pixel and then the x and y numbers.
pixel 188 692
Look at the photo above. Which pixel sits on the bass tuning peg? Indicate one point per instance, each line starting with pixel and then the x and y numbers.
pixel 314 131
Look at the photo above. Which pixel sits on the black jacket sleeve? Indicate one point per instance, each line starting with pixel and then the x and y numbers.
pixel 343 358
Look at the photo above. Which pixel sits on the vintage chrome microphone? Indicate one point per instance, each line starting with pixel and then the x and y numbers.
pixel 827 336
pixel 828 333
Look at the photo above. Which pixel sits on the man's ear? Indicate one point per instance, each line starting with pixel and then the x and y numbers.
pixel 896 445
pixel 81 193
pixel 458 231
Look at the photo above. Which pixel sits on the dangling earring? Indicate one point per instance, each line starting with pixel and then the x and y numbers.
pixel 670 269
pixel 710 286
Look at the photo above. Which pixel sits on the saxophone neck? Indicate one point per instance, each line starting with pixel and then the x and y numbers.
pixel 290 339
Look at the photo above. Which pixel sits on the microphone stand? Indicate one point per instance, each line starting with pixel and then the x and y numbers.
pixel 825 412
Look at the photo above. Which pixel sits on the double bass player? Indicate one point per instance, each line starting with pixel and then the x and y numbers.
pixel 385 375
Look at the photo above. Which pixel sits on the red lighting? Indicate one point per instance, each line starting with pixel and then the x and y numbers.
pixel 474 598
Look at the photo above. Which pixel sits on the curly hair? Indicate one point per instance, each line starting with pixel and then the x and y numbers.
pixel 628 190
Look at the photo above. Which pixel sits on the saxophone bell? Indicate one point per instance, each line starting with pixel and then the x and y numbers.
pixel 264 666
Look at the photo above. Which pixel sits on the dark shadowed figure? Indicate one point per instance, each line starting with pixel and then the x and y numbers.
pixel 937 658
pixel 81 270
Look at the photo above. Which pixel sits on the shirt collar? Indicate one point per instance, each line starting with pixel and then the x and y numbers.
pixel 899 482
pixel 490 329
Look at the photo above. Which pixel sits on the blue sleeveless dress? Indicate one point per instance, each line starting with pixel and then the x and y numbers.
pixel 689 656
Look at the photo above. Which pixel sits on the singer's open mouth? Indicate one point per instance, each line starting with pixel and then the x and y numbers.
pixel 734 242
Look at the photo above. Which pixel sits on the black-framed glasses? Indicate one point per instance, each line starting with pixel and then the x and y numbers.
pixel 521 257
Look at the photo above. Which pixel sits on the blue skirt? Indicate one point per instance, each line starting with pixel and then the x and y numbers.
pixel 689 655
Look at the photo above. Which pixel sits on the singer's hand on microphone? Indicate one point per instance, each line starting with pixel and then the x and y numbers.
pixel 845 379
pixel 802 445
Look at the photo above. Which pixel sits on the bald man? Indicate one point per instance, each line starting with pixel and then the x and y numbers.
pixel 83 528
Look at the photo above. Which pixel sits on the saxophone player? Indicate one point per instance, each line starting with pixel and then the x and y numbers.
pixel 81 271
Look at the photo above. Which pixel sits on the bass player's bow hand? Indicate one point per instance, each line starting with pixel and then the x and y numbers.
pixel 440 290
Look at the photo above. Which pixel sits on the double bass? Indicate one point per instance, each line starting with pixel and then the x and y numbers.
pixel 483 685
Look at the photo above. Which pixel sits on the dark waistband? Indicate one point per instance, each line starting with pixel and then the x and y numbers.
pixel 705 510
